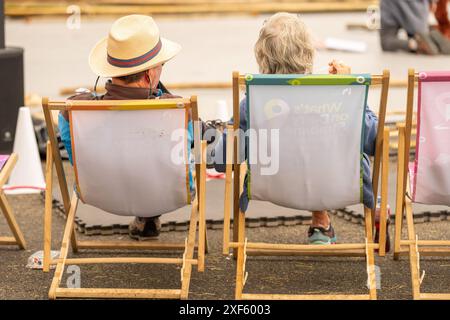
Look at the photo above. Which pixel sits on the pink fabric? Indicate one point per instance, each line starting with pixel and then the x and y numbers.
pixel 431 182
pixel 3 159
pixel 434 76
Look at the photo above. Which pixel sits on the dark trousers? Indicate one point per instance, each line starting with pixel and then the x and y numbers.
pixel 390 40
pixel 442 17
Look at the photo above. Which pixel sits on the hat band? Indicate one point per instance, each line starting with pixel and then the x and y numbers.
pixel 134 62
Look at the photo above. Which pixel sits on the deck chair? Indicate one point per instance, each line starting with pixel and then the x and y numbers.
pixel 427 179
pixel 296 107
pixel 17 238
pixel 130 158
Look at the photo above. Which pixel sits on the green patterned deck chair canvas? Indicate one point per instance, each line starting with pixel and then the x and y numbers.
pixel 304 150
pixel 311 129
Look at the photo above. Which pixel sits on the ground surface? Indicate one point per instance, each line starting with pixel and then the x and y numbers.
pixel 266 274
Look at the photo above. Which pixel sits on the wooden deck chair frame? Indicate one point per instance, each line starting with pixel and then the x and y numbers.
pixel 17 238
pixel 70 206
pixel 241 247
pixel 412 246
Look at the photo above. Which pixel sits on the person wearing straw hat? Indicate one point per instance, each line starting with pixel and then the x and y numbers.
pixel 132 56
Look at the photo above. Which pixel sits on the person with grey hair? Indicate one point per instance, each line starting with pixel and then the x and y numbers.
pixel 412 17
pixel 285 46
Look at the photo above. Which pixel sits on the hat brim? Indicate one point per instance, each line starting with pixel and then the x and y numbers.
pixel 98 59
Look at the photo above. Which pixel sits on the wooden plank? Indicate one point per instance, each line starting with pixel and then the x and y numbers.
pixel 119 260
pixel 228 190
pixel 129 245
pixel 36 9
pixel 399 204
pixel 202 208
pixel 247 296
pixel 385 79
pixel 435 296
pixel 5 172
pixel 427 242
pixel 302 247
pixel 384 193
pixel 118 293
pixel 189 251
pixel 48 209
pixel 58 164
pixel 236 164
pixel 11 220
pixel 68 230
pixel 197 85
pixel 413 255
pixel 330 253
pixel 8 241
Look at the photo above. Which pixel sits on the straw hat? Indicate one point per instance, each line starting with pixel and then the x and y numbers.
pixel 133 45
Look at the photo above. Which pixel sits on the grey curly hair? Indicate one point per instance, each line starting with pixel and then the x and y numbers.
pixel 284 46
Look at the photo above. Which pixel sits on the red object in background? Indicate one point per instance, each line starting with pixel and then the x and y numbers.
pixel 3 159
pixel 442 17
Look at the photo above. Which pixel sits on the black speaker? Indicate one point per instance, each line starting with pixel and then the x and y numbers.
pixel 2 25
pixel 11 95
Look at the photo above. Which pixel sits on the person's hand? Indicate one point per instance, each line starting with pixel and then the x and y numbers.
pixel 338 67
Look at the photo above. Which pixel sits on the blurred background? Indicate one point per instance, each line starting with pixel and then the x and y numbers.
pixel 217 37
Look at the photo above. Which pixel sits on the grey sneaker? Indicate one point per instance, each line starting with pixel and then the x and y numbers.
pixel 145 228
pixel 319 235
pixel 441 41
pixel 425 44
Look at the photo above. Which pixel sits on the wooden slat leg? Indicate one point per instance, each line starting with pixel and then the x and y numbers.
pixel 74 241
pixel 58 165
pixel 202 218
pixel 206 241
pixel 236 188
pixel 64 247
pixel 399 203
pixel 186 275
pixel 48 209
pixel 240 258
pixel 228 190
pixel 5 207
pixel 370 254
pixel 236 158
pixel 413 258
pixel 384 194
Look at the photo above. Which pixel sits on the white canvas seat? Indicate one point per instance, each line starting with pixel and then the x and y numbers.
pixel 304 151
pixel 427 179
pixel 130 157
pixel 133 158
